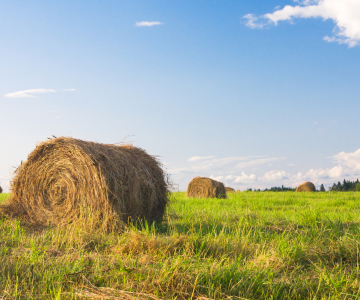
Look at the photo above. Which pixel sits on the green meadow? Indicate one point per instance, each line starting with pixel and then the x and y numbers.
pixel 252 245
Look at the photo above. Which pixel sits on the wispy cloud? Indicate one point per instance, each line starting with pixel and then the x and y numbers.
pixel 31 93
pixel 254 22
pixel 345 14
pixel 197 158
pixel 257 162
pixel 28 93
pixel 204 163
pixel 147 24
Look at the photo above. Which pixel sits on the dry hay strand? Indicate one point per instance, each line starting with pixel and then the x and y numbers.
pixel 204 187
pixel 109 293
pixel 66 180
pixel 306 187
pixel 229 190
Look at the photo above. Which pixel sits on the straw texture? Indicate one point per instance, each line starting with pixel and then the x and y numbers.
pixel 67 180
pixel 306 187
pixel 229 190
pixel 203 187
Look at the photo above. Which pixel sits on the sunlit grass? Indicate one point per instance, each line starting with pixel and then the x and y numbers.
pixel 3 196
pixel 253 245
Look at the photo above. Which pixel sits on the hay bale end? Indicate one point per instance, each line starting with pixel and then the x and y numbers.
pixel 204 187
pixel 66 180
pixel 306 187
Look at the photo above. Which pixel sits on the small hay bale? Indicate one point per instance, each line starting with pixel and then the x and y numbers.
pixel 203 187
pixel 229 190
pixel 306 187
pixel 66 180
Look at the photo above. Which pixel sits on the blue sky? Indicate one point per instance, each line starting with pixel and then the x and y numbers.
pixel 253 93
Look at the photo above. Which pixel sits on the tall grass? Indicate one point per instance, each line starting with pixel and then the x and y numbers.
pixel 250 246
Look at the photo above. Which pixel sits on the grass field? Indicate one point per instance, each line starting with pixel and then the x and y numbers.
pixel 253 245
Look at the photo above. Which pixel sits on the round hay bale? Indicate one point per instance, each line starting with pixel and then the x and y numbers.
pixel 306 187
pixel 66 180
pixel 229 190
pixel 203 187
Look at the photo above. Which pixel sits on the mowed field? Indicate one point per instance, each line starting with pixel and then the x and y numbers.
pixel 253 245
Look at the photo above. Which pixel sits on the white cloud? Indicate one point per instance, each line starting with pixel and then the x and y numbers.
pixel 329 173
pixel 28 93
pixel 31 93
pixel 275 175
pixel 345 14
pixel 253 21
pixel 350 160
pixel 197 158
pixel 337 171
pixel 242 179
pixel 257 162
pixel 348 165
pixel 147 24
pixel 218 178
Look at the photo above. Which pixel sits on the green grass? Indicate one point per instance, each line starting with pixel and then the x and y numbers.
pixel 253 245
pixel 3 196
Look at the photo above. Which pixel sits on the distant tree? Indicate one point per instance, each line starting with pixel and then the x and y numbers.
pixel 334 187
pixel 279 189
pixel 346 186
pixel 357 187
pixel 322 188
pixel 339 186
pixel 1 190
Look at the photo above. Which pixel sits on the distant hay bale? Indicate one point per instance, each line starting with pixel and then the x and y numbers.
pixel 66 180
pixel 229 190
pixel 306 187
pixel 203 187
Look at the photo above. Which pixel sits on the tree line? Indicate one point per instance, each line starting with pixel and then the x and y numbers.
pixel 345 186
pixel 274 189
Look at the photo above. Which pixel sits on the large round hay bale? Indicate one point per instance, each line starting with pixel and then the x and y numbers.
pixel 66 180
pixel 203 187
pixel 229 190
pixel 306 187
